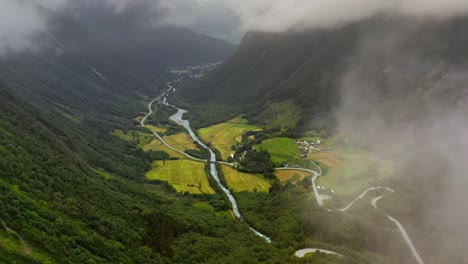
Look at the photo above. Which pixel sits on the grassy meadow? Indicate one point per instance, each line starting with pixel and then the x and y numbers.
pixel 350 171
pixel 280 149
pixel 183 175
pixel 223 135
pixel 138 137
pixel 239 181
pixel 156 145
pixel 180 141
pixel 291 175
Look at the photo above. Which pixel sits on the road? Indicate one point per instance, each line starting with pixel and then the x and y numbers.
pixel 21 239
pixel 403 233
pixel 301 253
pixel 320 198
pixel 150 112
pixel 178 118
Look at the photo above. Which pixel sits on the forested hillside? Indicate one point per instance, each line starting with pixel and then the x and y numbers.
pixel 395 86
pixel 74 192
pixel 312 69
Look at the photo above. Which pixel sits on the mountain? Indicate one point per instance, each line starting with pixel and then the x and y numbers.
pixel 74 192
pixel 394 86
pixel 310 69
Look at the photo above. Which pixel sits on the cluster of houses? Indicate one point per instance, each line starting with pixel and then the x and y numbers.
pixel 305 147
pixel 194 71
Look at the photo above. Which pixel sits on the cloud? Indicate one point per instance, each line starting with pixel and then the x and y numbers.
pixel 277 16
pixel 408 104
pixel 19 19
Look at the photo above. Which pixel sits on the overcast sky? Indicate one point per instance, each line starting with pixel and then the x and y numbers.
pixel 229 19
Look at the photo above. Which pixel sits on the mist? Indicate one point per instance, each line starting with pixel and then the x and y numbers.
pixel 405 98
pixel 227 19
pixel 19 19
pixel 278 16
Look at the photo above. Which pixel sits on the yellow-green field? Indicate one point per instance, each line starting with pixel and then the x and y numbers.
pixel 10 242
pixel 104 174
pixel 156 129
pixel 292 175
pixel 239 181
pixel 281 149
pixel 180 141
pixel 349 174
pixel 285 115
pixel 183 175
pixel 205 206
pixel 223 135
pixel 157 145
pixel 141 138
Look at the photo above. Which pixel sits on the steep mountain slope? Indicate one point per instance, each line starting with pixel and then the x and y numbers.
pixel 310 68
pixel 73 191
pixel 396 86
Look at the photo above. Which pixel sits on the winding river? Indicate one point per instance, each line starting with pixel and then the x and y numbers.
pixel 178 118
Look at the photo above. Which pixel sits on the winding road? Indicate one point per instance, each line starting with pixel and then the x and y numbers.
pixel 320 198
pixel 143 121
pixel 178 118
pixel 301 253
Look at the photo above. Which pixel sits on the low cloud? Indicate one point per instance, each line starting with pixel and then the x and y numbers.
pixel 19 19
pixel 408 104
pixel 277 16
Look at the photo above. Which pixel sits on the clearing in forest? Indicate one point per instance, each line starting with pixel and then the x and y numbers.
pixel 281 149
pixel 349 170
pixel 134 136
pixel 239 181
pixel 183 175
pixel 180 141
pixel 292 175
pixel 223 135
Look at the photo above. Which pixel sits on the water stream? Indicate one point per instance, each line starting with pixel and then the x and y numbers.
pixel 178 118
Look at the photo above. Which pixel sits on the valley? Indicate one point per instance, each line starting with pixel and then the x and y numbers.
pixel 228 136
pixel 230 132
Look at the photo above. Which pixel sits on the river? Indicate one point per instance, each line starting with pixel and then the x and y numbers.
pixel 178 118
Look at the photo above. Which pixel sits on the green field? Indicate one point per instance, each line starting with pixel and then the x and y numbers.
pixel 205 206
pixel 223 135
pixel 134 136
pixel 239 181
pixel 285 115
pixel 157 145
pixel 180 141
pixel 104 174
pixel 352 178
pixel 291 175
pixel 183 175
pixel 280 149
pixel 11 243
pixel 156 129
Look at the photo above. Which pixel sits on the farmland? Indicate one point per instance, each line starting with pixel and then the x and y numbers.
pixel 180 141
pixel 134 136
pixel 183 175
pixel 156 145
pixel 349 172
pixel 280 149
pixel 223 135
pixel 156 129
pixel 291 175
pixel 239 181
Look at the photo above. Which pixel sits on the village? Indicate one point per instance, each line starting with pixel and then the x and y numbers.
pixel 306 147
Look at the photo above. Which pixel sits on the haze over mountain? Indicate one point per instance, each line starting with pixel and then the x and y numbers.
pixel 76 77
pixel 394 85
